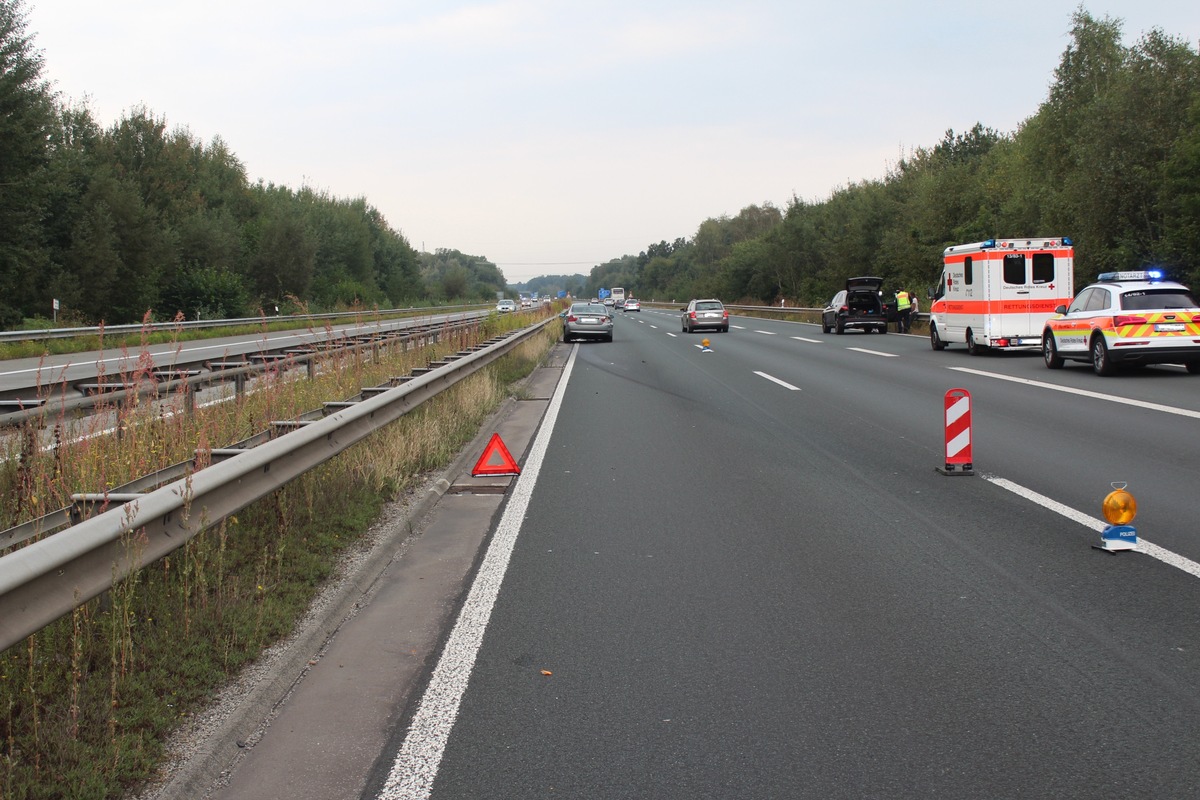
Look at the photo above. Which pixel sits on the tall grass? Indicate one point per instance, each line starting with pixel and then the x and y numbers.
pixel 87 703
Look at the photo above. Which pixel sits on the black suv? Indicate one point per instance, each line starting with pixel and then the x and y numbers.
pixel 859 305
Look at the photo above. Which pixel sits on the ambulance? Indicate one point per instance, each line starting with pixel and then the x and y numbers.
pixel 1000 293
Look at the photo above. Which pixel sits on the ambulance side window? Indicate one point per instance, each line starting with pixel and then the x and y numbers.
pixel 968 277
pixel 1043 267
pixel 1014 268
pixel 1080 301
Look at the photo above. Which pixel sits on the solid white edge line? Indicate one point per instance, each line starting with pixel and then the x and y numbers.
pixel 416 765
pixel 1183 412
pixel 773 379
pixel 767 333
pixel 1143 546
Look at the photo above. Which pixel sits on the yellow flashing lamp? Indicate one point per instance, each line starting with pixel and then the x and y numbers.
pixel 1119 506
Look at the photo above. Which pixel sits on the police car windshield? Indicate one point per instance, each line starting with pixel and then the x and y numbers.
pixel 1150 299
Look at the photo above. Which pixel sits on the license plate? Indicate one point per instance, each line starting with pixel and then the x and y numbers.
pixel 1168 327
pixel 710 315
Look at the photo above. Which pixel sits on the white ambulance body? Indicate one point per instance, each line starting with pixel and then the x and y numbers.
pixel 999 293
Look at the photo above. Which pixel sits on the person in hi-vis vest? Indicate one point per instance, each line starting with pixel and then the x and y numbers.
pixel 903 311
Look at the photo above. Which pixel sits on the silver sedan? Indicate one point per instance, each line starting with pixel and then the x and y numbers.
pixel 587 321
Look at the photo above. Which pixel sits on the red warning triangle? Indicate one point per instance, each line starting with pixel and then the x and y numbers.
pixel 496 450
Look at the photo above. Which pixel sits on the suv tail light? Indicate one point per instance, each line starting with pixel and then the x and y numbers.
pixel 1121 321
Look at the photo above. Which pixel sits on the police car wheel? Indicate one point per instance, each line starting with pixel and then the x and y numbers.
pixel 1102 364
pixel 1050 352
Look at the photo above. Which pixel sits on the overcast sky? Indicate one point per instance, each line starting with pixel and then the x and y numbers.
pixel 550 137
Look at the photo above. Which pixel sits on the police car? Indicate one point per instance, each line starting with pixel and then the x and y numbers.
pixel 1133 318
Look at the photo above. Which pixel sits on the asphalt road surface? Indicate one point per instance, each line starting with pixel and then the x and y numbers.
pixel 738 573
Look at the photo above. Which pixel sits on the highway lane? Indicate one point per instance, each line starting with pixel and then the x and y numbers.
pixel 1037 431
pixel 744 589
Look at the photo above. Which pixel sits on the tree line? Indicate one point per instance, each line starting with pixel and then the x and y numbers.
pixel 1111 158
pixel 114 222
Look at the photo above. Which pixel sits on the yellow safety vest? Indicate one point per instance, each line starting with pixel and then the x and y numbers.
pixel 902 301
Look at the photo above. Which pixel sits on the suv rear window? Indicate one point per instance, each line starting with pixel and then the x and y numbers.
pixel 1150 299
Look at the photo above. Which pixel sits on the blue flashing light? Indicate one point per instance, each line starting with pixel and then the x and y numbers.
pixel 1068 241
pixel 1154 274
pixel 988 243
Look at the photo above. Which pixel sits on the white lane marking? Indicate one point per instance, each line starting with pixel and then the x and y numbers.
pixel 773 379
pixel 416 765
pixel 655 327
pixel 767 333
pixel 1148 548
pixel 1183 412
pixel 672 335
pixel 738 327
pixel 873 352
pixel 803 339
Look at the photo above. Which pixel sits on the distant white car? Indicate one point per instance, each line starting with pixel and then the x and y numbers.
pixel 505 306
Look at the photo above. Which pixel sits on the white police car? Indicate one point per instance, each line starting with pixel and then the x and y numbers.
pixel 1132 318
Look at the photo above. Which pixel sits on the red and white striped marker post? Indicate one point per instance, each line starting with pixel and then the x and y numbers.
pixel 958 433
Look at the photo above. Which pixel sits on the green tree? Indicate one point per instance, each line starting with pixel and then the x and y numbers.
pixel 26 120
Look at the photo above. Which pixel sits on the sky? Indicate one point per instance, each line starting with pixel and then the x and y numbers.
pixel 549 137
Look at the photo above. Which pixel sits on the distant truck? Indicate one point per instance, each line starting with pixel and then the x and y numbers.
pixel 618 297
pixel 999 293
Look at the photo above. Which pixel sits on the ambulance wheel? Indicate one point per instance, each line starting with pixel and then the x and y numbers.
pixel 973 348
pixel 935 341
pixel 1050 352
pixel 1102 364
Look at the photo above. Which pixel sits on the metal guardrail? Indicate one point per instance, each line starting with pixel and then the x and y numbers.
pixel 47 579
pixel 69 333
pixel 122 387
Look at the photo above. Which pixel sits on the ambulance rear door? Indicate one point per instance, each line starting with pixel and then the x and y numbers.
pixel 1031 285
